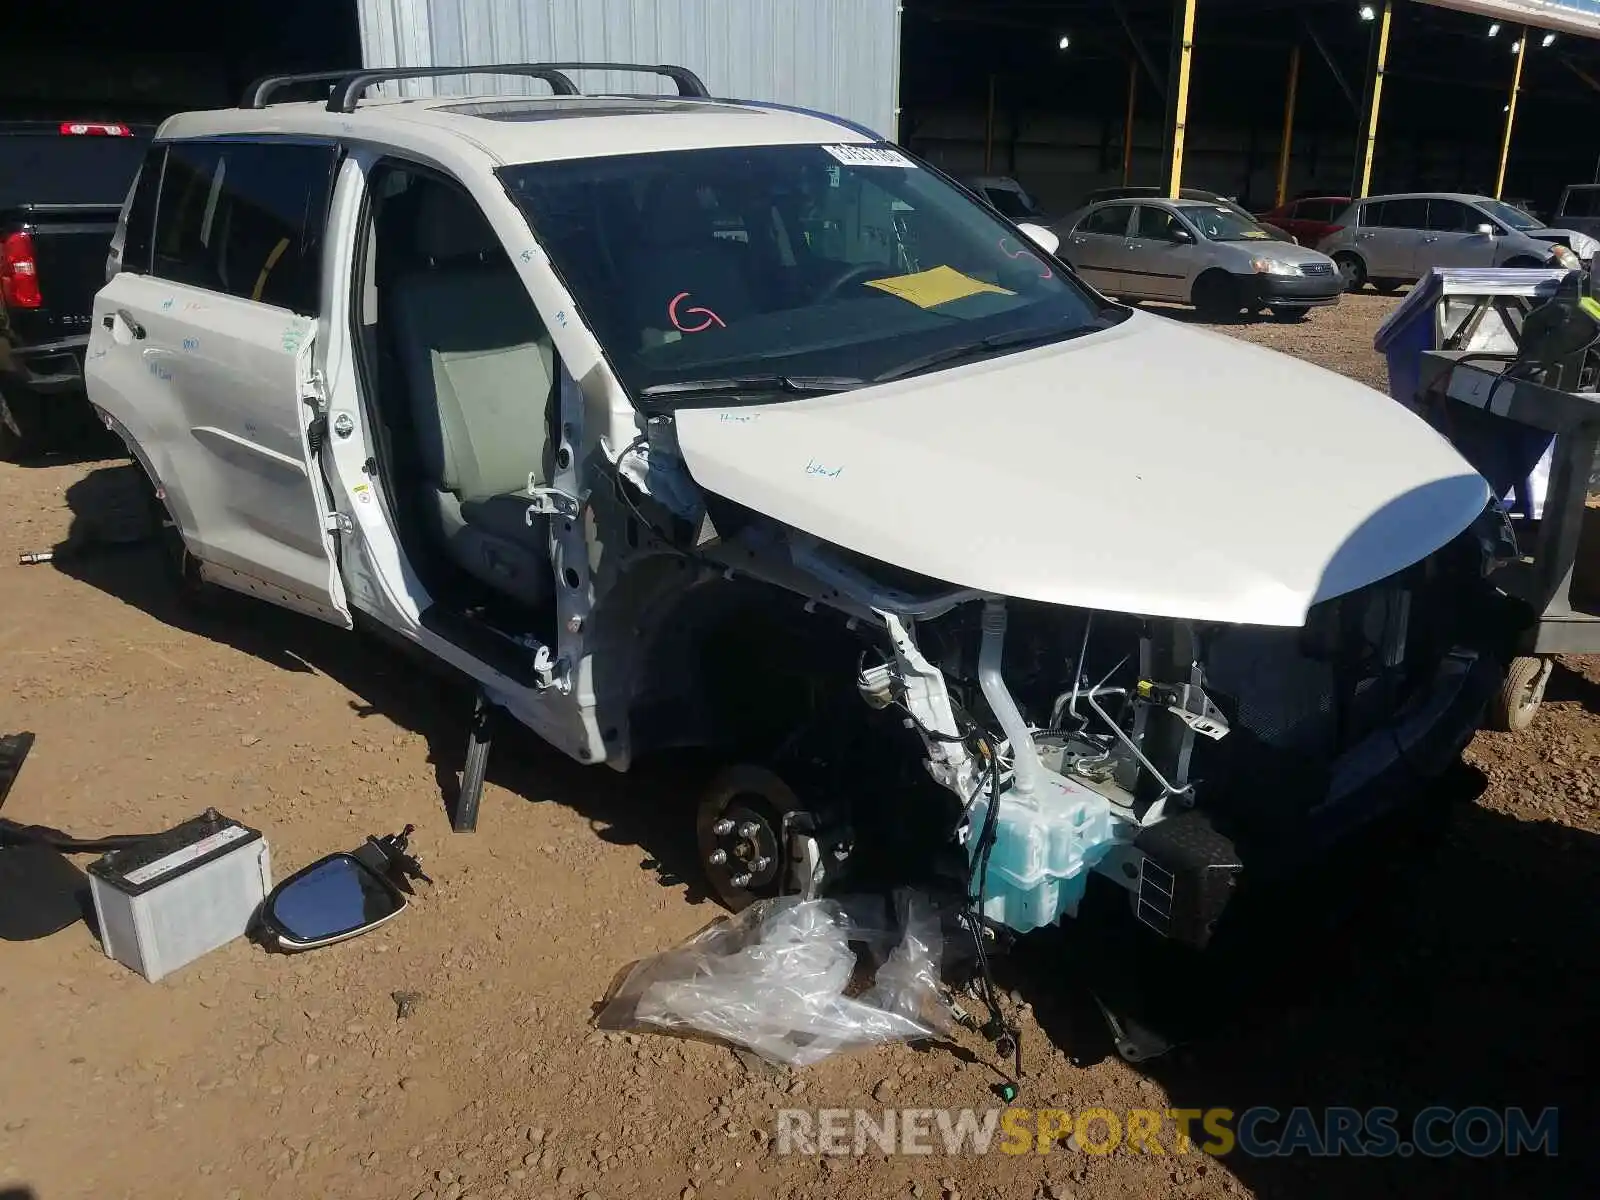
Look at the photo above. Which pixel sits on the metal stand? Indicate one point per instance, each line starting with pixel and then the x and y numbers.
pixel 14 748
pixel 1549 578
pixel 465 817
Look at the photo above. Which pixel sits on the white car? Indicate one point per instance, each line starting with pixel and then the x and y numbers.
pixel 681 422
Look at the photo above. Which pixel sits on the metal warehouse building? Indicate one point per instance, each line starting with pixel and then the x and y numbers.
pixel 1254 98
pixel 838 55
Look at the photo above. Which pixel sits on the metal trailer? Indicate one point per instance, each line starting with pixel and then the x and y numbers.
pixel 1557 571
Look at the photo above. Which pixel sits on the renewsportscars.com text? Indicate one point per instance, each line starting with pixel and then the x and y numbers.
pixel 1259 1132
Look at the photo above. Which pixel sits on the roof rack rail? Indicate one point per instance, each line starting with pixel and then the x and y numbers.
pixel 345 95
pixel 257 94
pixel 348 90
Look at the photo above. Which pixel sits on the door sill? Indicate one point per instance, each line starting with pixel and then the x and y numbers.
pixel 510 656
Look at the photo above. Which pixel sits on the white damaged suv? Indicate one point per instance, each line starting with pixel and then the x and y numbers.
pixel 682 422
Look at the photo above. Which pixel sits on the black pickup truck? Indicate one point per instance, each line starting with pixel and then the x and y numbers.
pixel 62 184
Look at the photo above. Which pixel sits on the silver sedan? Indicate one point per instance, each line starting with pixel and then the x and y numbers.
pixel 1196 252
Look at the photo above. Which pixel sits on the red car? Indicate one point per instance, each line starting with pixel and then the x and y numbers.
pixel 1310 218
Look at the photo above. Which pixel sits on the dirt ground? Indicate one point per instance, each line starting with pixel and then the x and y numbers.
pixel 1472 981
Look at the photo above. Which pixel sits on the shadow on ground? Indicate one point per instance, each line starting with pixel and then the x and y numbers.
pixel 1456 969
pixel 109 547
pixel 87 441
pixel 1568 683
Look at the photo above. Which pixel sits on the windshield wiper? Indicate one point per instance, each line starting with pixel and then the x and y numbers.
pixel 1011 340
pixel 703 392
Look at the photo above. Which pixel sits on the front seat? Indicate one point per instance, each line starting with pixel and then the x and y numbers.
pixel 479 371
pixel 679 255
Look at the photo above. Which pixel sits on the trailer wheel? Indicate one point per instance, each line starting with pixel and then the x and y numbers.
pixel 739 834
pixel 1520 694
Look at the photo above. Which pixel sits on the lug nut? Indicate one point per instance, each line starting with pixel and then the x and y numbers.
pixel 718 857
pixel 740 881
pixel 761 864
pixel 723 827
pixel 749 829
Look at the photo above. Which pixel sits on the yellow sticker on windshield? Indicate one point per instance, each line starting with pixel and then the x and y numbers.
pixel 940 285
pixel 1256 233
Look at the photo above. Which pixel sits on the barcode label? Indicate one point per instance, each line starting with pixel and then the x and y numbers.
pixel 869 156
pixel 169 863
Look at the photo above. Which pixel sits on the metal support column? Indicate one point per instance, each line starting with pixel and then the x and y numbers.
pixel 1369 127
pixel 1511 114
pixel 1288 125
pixel 1127 125
pixel 1178 90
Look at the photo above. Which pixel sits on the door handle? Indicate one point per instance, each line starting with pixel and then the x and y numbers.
pixel 1429 239
pixel 1363 237
pixel 110 322
pixel 1078 241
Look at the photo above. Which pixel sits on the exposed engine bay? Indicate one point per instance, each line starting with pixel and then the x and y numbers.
pixel 1165 755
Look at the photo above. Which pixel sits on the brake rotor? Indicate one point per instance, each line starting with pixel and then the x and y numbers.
pixel 739 828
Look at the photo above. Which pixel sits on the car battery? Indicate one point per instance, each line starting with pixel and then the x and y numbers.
pixel 166 900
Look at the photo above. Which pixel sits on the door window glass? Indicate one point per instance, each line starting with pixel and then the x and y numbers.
pixel 1112 221
pixel 1452 216
pixel 1314 210
pixel 246 219
pixel 141 224
pixel 1157 224
pixel 1397 214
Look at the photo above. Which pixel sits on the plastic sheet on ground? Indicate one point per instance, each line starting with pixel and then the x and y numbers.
pixel 795 981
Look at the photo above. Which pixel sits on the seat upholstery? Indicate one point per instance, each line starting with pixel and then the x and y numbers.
pixel 680 253
pixel 479 374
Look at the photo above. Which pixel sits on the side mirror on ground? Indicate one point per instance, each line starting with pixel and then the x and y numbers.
pixel 1485 230
pixel 341 896
pixel 1040 236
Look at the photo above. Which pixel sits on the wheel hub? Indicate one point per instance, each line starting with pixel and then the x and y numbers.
pixel 744 846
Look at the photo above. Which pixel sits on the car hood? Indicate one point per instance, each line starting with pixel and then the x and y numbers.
pixel 1289 252
pixel 1551 233
pixel 1151 468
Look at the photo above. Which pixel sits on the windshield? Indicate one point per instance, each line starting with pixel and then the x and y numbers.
pixel 1018 206
pixel 839 261
pixel 1509 214
pixel 1218 223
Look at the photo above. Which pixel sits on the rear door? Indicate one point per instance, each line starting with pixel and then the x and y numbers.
pixel 1452 238
pixel 1097 246
pixel 204 348
pixel 1390 235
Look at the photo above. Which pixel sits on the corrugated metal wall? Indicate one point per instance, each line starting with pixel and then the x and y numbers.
pixel 840 56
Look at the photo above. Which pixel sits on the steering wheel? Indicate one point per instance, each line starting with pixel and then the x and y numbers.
pixel 848 275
